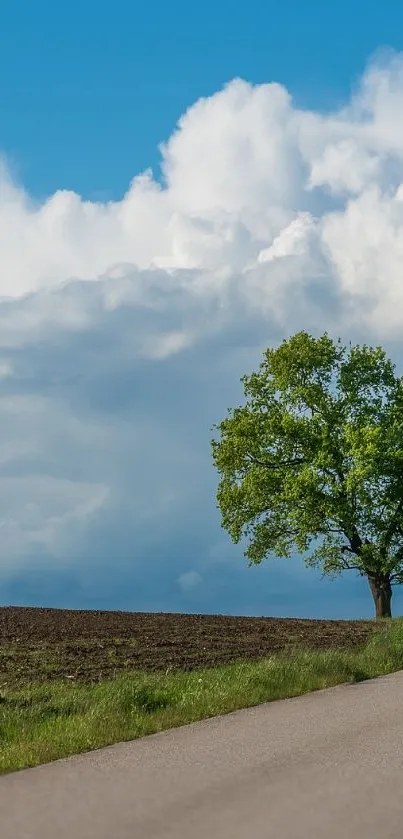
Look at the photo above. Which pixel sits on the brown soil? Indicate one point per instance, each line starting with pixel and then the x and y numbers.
pixel 43 644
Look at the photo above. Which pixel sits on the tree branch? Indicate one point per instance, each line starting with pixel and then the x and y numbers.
pixel 393 526
pixel 349 567
pixel 347 549
pixel 295 462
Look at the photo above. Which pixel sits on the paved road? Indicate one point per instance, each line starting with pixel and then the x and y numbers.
pixel 324 765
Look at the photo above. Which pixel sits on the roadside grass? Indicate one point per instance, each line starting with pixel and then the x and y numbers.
pixel 41 722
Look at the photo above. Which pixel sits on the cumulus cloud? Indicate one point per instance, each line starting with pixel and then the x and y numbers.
pixel 248 180
pixel 125 326
pixel 189 580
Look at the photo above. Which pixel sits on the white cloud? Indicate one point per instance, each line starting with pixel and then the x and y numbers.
pixel 293 240
pixel 346 166
pixel 125 326
pixel 189 580
pixel 163 345
pixel 249 179
pixel 42 513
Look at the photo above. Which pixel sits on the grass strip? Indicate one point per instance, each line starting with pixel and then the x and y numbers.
pixel 40 723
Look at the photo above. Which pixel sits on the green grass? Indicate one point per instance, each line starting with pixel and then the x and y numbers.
pixel 43 722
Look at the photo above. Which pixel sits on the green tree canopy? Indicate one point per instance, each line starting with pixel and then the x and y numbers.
pixel 316 454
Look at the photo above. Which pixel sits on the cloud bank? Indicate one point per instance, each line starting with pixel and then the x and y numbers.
pixel 125 327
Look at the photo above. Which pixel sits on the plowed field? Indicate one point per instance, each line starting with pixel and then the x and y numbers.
pixel 43 644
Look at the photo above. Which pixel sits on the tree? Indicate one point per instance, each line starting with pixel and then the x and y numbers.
pixel 316 454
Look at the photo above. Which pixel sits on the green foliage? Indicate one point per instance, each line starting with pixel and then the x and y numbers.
pixel 316 454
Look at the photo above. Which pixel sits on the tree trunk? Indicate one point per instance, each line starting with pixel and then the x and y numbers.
pixel 381 590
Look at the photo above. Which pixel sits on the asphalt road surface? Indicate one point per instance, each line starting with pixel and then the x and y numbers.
pixel 324 765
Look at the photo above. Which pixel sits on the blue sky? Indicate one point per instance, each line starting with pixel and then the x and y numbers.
pixel 89 90
pixel 132 303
